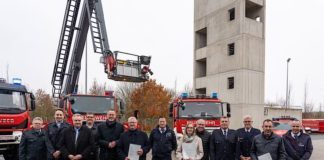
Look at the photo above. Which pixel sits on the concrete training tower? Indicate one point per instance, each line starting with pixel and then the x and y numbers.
pixel 229 55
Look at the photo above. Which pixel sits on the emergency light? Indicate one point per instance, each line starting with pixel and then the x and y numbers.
pixel 16 81
pixel 214 95
pixel 184 95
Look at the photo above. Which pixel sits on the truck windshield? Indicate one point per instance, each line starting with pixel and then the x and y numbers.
pixel 85 104
pixel 12 101
pixel 200 110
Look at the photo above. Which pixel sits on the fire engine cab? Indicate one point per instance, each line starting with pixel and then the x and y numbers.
pixel 188 109
pixel 15 104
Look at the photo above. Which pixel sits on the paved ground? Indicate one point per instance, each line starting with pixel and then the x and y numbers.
pixel 318 143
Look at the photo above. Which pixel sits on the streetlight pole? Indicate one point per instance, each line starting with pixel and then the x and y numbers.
pixel 288 60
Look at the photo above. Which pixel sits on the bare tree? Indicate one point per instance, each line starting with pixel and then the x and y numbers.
pixel 188 88
pixel 305 96
pixel 290 100
pixel 99 89
pixel 124 90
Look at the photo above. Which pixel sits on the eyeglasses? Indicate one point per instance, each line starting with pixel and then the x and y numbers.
pixel 247 121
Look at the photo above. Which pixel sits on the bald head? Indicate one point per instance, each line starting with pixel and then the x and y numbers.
pixel 132 123
pixel 201 124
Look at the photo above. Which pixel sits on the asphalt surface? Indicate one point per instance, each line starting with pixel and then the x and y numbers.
pixel 318 143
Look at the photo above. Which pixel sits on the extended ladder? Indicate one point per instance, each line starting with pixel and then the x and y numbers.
pixel 65 42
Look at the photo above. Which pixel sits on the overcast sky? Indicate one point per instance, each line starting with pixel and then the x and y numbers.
pixel 30 30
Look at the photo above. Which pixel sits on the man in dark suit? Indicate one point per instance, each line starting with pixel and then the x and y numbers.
pixel 245 137
pixel 133 136
pixel 54 131
pixel 77 141
pixel 34 144
pixel 223 142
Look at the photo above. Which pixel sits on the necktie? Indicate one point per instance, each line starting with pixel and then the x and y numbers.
pixel 76 136
pixel 162 130
pixel 225 134
pixel 296 136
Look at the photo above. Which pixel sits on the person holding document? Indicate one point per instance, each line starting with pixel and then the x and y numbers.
pixel 190 146
pixel 267 145
pixel 133 144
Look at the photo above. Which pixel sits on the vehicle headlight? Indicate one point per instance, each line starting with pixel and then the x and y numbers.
pixel 17 135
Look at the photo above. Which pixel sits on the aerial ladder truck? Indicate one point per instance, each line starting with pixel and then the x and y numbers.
pixel 65 78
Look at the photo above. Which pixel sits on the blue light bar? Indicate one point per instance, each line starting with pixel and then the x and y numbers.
pixel 16 81
pixel 184 95
pixel 214 95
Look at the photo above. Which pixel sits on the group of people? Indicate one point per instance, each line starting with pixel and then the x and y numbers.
pixel 108 141
pixel 246 143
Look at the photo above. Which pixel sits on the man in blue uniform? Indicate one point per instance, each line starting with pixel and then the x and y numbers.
pixel 163 141
pixel 223 142
pixel 245 136
pixel 34 143
pixel 298 145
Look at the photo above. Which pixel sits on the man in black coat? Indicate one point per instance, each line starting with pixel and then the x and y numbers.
pixel 133 136
pixel 223 142
pixel 77 141
pixel 34 144
pixel 90 119
pixel 163 141
pixel 205 137
pixel 108 137
pixel 245 137
pixel 54 130
pixel 298 145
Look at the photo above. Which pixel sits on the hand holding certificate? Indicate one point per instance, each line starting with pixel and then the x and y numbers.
pixel 189 150
pixel 133 151
pixel 266 156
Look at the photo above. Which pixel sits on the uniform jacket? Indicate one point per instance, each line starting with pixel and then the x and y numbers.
pixel 244 141
pixel 34 145
pixel 108 132
pixel 54 133
pixel 162 143
pixel 222 148
pixel 205 138
pixel 84 144
pixel 300 148
pixel 132 137
pixel 273 145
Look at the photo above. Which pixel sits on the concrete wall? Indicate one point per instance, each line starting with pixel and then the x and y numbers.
pixel 246 65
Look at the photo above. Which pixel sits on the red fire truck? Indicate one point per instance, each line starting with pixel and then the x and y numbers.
pixel 314 125
pixel 119 66
pixel 98 105
pixel 15 104
pixel 188 109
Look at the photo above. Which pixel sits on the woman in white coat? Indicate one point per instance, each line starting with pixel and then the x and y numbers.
pixel 190 146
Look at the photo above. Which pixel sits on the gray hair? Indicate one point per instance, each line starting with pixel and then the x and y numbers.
pixel 76 115
pixel 38 119
pixel 247 116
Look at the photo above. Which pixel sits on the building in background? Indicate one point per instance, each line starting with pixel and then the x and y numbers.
pixel 229 54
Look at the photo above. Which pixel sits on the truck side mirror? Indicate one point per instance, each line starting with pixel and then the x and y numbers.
pixel 228 108
pixel 71 100
pixel 171 110
pixel 32 102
